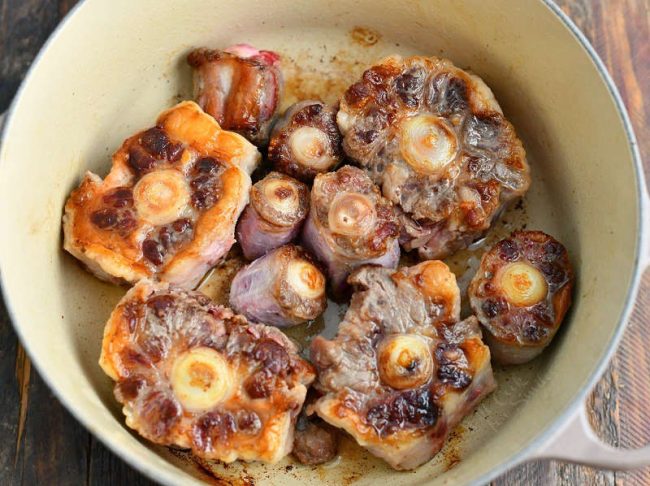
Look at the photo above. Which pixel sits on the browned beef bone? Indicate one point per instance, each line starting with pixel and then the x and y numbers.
pixel 434 139
pixel 520 293
pixel 194 375
pixel 350 224
pixel 168 207
pixel 240 87
pixel 282 288
pixel 306 141
pixel 402 371
pixel 278 207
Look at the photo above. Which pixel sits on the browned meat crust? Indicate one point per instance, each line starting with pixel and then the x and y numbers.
pixel 519 331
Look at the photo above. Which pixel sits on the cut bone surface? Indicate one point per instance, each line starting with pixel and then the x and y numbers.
pixel 306 141
pixel 350 224
pixel 402 371
pixel 435 140
pixel 192 374
pixel 282 288
pixel 278 207
pixel 168 207
pixel 520 293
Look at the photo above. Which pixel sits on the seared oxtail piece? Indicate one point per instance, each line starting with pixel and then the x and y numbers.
pixel 282 288
pixel 240 87
pixel 192 374
pixel 436 141
pixel 520 293
pixel 169 205
pixel 306 141
pixel 350 224
pixel 402 371
pixel 278 207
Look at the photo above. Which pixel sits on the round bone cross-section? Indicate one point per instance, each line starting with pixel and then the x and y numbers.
pixel 282 288
pixel 279 205
pixel 306 141
pixel 350 224
pixel 402 371
pixel 192 374
pixel 521 293
pixel 168 207
pixel 435 140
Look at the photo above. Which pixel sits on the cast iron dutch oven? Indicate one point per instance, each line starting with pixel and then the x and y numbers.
pixel 112 66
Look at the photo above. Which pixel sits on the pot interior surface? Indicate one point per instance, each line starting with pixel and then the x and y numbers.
pixel 115 65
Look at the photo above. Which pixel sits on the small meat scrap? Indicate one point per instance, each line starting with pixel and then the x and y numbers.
pixel 316 442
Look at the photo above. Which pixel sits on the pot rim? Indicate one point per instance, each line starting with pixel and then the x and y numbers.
pixel 168 477
pixel 578 400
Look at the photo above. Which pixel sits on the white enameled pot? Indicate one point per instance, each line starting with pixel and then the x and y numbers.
pixel 112 66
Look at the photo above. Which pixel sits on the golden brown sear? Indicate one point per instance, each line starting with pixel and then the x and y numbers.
pixel 402 370
pixel 520 293
pixel 435 140
pixel 168 207
pixel 192 374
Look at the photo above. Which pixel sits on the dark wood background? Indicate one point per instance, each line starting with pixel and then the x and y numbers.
pixel 42 444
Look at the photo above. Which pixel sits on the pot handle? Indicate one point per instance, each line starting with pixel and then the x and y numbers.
pixel 577 443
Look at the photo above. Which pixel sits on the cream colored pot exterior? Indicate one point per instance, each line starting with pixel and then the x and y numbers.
pixel 114 65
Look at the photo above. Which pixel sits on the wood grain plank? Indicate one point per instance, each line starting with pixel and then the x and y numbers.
pixel 45 445
pixel 24 27
pixel 108 469
pixel 624 27
pixel 10 469
pixel 55 445
pixel 23 378
pixel 633 370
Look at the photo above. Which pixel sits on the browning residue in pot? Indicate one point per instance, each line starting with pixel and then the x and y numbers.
pixel 326 79
pixel 216 284
pixel 452 451
pixel 364 36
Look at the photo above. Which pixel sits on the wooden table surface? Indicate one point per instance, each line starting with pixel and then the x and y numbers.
pixel 43 444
